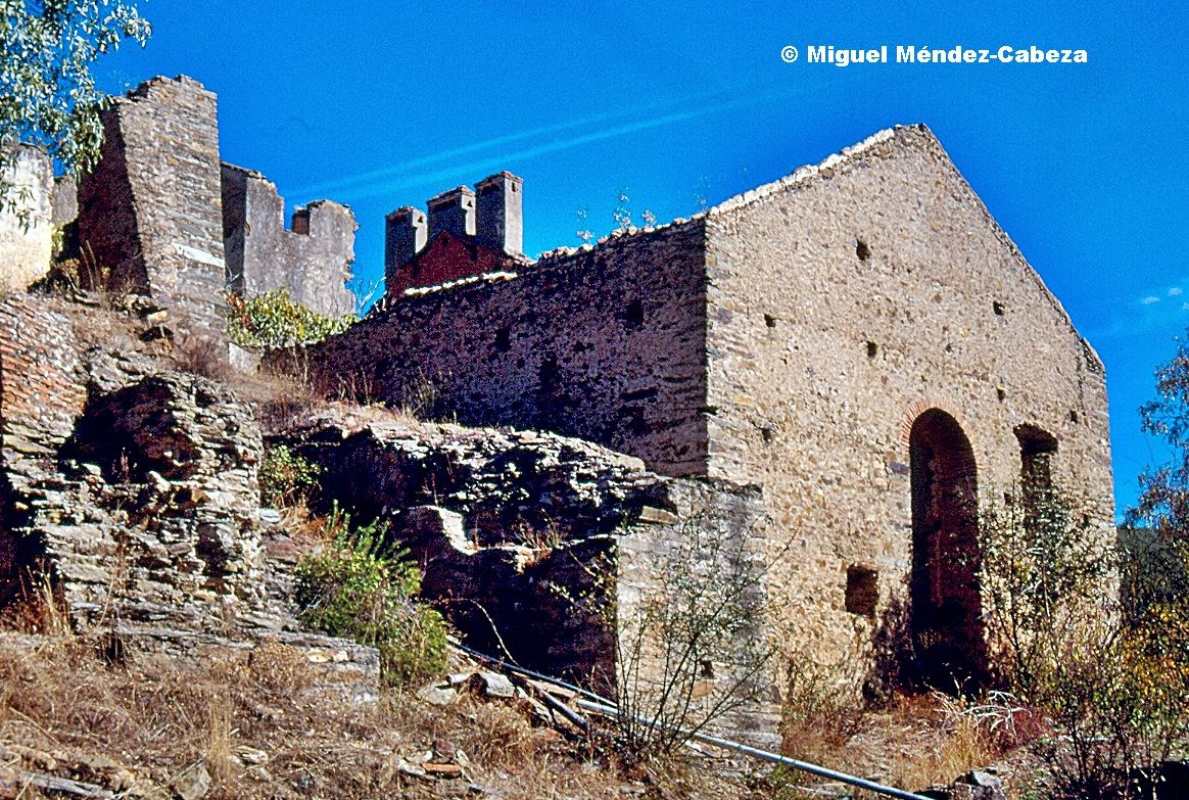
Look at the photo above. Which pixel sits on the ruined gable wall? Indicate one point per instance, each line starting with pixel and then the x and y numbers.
pixel 312 262
pixel 26 236
pixel 606 345
pixel 151 209
pixel 803 409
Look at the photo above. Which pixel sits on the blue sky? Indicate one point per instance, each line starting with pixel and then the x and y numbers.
pixel 382 104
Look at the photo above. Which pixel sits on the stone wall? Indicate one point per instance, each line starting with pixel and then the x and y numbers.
pixel 42 391
pixel 312 261
pixel 26 230
pixel 606 345
pixel 713 531
pixel 65 200
pixel 844 302
pixel 150 211
pixel 543 548
pixel 133 489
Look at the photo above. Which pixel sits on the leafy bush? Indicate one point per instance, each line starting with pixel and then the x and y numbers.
pixel 1110 684
pixel 361 589
pixel 286 477
pixel 274 319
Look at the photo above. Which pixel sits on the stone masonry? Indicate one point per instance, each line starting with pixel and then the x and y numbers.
pixel 860 339
pixel 162 215
pixel 133 489
pixel 311 260
pixel 516 530
pixel 865 317
pixel 26 228
pixel 605 345
pixel 150 210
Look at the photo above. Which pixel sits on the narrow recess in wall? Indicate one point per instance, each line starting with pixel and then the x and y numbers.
pixel 768 434
pixel 998 308
pixel 862 250
pixel 770 320
pixel 1001 394
pixel 503 340
pixel 1038 449
pixel 862 589
pixel 633 315
pixel 1073 416
pixel 872 349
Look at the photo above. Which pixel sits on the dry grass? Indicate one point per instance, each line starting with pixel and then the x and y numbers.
pixel 203 356
pixel 916 741
pixel 37 610
pixel 147 720
pixel 961 743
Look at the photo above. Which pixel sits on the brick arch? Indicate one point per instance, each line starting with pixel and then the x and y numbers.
pixel 946 602
pixel 914 411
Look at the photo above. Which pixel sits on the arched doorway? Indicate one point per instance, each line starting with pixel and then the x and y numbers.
pixel 949 648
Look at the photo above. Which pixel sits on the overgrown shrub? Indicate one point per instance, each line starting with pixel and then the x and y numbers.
pixel 1111 685
pixel 690 650
pixel 286 477
pixel 274 319
pixel 359 588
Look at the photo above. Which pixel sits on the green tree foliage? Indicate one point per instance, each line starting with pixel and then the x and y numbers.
pixel 358 587
pixel 286 477
pixel 274 319
pixel 1163 507
pixel 48 95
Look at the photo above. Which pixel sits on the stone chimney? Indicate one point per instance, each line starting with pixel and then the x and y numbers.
pixel 405 234
pixel 500 223
pixel 453 211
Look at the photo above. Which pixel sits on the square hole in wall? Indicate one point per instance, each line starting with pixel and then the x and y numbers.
pixel 862 589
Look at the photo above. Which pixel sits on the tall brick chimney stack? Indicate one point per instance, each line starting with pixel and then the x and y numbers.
pixel 453 211
pixel 500 223
pixel 406 232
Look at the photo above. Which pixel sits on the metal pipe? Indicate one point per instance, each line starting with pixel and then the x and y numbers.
pixel 590 701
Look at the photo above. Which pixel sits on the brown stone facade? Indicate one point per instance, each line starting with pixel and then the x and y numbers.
pixel 311 260
pixel 149 212
pixel 860 339
pixel 877 343
pixel 606 345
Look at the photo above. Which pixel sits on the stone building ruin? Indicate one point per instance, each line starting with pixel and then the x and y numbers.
pixel 860 339
pixel 162 214
pixel 835 371
pixel 311 260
